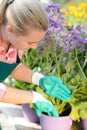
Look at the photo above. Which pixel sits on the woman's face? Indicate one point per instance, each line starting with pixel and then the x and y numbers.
pixel 26 42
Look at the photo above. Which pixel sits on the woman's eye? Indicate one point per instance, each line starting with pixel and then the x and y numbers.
pixel 29 42
pixel 32 43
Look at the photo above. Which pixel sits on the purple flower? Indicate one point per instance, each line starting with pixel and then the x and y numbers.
pixel 64 37
pixel 53 8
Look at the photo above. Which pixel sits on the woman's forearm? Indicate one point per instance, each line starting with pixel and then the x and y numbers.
pixel 16 96
pixel 22 73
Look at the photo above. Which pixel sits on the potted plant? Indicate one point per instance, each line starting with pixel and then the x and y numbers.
pixel 63 53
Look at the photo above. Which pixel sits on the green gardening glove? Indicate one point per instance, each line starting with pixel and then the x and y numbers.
pixel 42 105
pixel 52 86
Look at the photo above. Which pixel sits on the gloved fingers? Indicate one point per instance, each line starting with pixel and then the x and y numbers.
pixel 58 93
pixel 45 107
pixel 65 88
pixel 62 94
pixel 49 113
pixel 50 110
pixel 55 79
pixel 42 107
pixel 52 79
pixel 38 112
pixel 54 113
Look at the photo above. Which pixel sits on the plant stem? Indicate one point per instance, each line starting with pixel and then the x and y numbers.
pixel 79 64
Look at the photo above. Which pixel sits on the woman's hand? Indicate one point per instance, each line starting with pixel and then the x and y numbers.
pixel 42 105
pixel 52 86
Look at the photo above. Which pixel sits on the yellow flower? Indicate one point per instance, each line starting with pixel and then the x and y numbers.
pixel 72 8
pixel 83 5
pixel 75 13
pixel 63 10
pixel 79 15
pixel 68 23
pixel 70 4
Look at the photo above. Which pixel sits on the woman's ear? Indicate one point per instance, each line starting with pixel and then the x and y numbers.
pixel 8 29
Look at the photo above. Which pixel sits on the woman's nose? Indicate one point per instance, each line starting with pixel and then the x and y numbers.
pixel 34 46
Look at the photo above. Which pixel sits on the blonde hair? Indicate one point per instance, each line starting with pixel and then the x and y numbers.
pixel 23 15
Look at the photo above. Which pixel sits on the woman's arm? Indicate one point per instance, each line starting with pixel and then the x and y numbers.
pixel 22 73
pixel 16 96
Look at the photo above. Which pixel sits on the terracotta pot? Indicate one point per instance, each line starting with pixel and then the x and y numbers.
pixel 52 123
pixel 29 114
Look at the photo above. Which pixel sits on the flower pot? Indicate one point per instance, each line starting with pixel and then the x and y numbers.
pixel 52 123
pixel 29 114
pixel 84 124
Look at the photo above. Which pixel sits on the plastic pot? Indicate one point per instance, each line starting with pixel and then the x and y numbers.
pixel 29 114
pixel 84 124
pixel 52 123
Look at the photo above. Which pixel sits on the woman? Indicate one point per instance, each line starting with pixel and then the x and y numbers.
pixel 22 25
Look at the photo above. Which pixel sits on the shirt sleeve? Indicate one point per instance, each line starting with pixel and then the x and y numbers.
pixel 2 90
